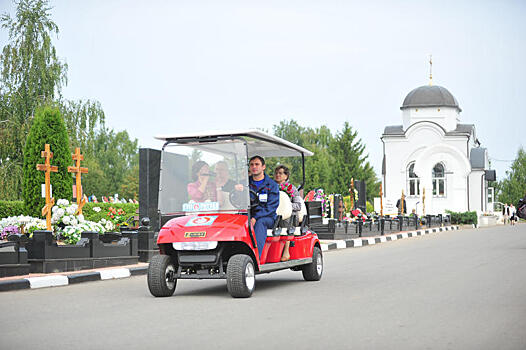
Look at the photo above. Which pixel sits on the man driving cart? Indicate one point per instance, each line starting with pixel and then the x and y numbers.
pixel 267 192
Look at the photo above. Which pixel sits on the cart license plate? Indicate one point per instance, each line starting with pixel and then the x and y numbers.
pixel 195 234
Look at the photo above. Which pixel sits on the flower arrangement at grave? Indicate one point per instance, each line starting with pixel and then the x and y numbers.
pixel 287 188
pixel 9 230
pixel 319 195
pixel 20 225
pixel 118 217
pixel 68 226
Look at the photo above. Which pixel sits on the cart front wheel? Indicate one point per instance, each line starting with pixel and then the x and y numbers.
pixel 161 276
pixel 240 276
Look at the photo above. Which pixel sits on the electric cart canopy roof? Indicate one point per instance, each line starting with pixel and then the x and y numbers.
pixel 259 142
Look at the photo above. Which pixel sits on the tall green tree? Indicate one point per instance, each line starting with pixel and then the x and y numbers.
pixel 48 128
pixel 349 160
pixel 114 161
pixel 31 75
pixel 84 120
pixel 336 159
pixel 513 187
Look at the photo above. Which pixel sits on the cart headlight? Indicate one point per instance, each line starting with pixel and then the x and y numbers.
pixel 195 245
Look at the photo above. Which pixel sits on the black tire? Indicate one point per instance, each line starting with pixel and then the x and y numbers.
pixel 160 276
pixel 314 270
pixel 240 276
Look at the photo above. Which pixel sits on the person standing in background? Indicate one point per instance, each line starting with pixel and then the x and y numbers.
pixel 505 213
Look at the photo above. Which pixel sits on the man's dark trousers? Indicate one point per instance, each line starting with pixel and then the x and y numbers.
pixel 260 228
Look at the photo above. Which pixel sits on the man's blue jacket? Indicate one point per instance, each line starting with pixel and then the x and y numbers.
pixel 265 208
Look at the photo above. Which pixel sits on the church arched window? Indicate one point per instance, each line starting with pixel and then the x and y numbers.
pixel 413 182
pixel 439 180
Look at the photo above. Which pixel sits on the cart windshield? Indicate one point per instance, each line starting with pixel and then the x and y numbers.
pixel 204 178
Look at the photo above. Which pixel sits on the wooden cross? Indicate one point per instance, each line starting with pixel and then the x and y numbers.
pixel 48 168
pixel 351 192
pixel 381 201
pixel 340 210
pixel 78 171
pixel 424 201
pixel 402 203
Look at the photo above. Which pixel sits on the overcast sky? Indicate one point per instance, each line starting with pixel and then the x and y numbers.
pixel 161 67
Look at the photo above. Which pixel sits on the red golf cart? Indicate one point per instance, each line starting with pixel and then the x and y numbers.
pixel 208 236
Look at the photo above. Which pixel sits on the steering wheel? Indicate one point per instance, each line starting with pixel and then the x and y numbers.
pixel 236 198
pixel 254 200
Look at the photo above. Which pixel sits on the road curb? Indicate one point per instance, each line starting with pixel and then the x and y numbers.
pixel 64 280
pixel 365 241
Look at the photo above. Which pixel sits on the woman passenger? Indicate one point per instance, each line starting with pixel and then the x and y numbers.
pixel 281 176
pixel 202 188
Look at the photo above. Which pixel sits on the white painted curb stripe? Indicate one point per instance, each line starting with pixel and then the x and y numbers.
pixel 341 244
pixel 114 273
pixel 404 235
pixel 324 247
pixel 393 237
pixel 383 239
pixel 357 242
pixel 371 241
pixel 48 281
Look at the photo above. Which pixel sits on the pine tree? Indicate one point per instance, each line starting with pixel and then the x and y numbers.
pixel 48 127
pixel 350 161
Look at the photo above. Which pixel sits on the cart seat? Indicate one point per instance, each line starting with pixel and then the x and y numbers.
pixel 285 206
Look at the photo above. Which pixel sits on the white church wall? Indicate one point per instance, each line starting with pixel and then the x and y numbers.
pixel 426 145
pixel 477 201
pixel 447 117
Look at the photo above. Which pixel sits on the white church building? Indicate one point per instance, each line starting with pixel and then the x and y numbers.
pixel 433 153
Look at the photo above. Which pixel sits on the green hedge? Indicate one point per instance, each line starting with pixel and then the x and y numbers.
pixel 466 218
pixel 92 215
pixel 11 208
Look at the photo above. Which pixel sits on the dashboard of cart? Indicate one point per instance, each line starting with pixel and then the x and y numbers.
pixel 203 177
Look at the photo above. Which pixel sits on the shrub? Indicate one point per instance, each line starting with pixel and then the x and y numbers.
pixel 466 218
pixel 11 208
pixel 48 127
pixel 369 207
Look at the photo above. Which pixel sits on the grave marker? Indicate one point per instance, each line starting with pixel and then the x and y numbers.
pixel 47 168
pixel 78 171
pixel 351 194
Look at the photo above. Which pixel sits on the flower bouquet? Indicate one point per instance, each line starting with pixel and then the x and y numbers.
pixel 287 188
pixel 324 199
pixel 118 217
pixel 20 225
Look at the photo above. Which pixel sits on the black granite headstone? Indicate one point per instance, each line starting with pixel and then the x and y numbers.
pixel 362 194
pixel 149 169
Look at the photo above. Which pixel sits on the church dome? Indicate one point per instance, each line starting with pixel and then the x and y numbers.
pixel 430 96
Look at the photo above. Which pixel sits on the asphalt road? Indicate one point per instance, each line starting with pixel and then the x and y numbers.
pixel 452 290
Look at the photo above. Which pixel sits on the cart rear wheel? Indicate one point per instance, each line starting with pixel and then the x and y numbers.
pixel 161 276
pixel 240 276
pixel 314 270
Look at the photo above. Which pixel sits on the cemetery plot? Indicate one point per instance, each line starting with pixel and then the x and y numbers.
pixel 45 255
